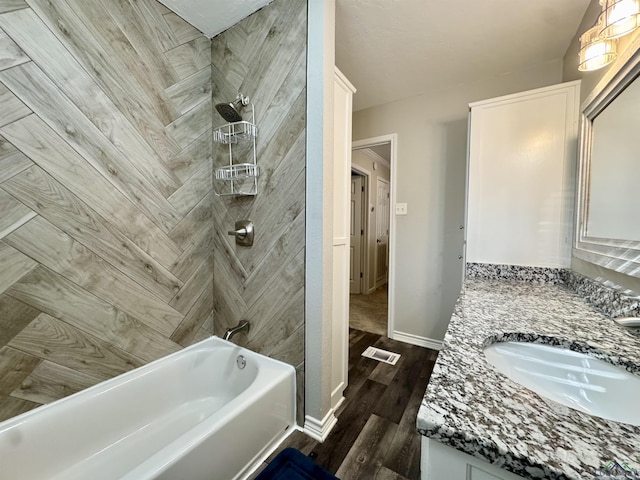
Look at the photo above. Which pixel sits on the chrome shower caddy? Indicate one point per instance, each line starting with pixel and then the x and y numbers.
pixel 237 178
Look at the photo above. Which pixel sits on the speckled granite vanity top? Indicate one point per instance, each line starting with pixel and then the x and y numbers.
pixel 473 408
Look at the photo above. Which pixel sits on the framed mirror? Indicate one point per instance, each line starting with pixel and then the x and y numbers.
pixel 608 213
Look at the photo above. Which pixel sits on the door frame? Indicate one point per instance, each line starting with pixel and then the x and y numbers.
pixel 364 253
pixel 391 139
pixel 375 283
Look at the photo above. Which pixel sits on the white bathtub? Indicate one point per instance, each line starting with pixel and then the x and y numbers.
pixel 191 415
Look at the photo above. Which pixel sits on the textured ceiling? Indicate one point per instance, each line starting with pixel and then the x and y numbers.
pixel 212 17
pixel 394 49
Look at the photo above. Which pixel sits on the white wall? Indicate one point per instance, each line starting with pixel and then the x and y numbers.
pixel 432 145
pixel 319 418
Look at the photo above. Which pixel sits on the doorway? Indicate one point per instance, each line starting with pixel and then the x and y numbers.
pixel 357 225
pixel 370 304
pixel 382 232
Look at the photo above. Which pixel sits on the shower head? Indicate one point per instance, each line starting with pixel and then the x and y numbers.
pixel 231 111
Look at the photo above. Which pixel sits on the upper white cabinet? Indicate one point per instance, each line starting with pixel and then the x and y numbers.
pixel 521 176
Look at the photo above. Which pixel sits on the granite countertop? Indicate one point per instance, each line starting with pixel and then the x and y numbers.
pixel 473 408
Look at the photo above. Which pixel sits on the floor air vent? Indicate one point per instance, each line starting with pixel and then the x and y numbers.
pixel 381 355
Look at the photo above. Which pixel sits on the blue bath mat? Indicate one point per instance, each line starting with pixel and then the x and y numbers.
pixel 291 464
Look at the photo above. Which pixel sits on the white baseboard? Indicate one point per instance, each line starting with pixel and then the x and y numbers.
pixel 417 340
pixel 319 429
pixel 338 404
pixel 336 396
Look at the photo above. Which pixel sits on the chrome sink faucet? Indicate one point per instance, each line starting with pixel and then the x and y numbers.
pixel 630 324
pixel 243 325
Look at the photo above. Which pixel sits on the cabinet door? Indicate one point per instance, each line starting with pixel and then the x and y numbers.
pixel 474 473
pixel 521 178
pixel 439 462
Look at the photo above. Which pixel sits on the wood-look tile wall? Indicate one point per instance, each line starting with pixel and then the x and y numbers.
pixel 105 192
pixel 264 57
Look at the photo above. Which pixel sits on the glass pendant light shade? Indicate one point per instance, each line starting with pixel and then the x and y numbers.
pixel 619 17
pixel 595 51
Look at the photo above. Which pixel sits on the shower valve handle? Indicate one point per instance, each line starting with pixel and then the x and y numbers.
pixel 243 232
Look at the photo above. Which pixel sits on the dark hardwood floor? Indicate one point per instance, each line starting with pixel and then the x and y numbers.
pixel 375 437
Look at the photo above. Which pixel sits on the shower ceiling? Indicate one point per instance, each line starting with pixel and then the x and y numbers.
pixel 212 17
pixel 393 49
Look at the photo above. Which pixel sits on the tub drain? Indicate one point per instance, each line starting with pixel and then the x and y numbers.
pixel 241 362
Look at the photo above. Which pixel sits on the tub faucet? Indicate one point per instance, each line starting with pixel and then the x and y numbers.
pixel 243 325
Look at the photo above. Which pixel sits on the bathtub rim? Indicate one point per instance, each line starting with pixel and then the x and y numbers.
pixel 285 373
pixel 105 385
pixel 199 433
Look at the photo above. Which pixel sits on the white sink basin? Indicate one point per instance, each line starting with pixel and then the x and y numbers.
pixel 573 379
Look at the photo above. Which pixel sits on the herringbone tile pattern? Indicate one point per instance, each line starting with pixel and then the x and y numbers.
pixel 264 57
pixel 106 239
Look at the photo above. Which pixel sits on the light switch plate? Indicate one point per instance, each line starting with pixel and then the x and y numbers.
pixel 401 208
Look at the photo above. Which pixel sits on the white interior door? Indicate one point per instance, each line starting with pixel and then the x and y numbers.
pixel 357 235
pixel 382 232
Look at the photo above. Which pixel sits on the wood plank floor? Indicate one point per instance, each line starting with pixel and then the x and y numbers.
pixel 375 437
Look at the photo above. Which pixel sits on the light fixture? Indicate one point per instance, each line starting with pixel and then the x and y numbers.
pixel 595 51
pixel 619 17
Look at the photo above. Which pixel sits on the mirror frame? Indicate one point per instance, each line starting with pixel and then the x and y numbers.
pixel 619 255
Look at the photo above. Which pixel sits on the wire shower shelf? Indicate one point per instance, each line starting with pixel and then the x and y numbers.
pixel 237 178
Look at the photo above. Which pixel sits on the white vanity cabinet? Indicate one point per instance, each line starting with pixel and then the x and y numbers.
pixel 521 176
pixel 440 461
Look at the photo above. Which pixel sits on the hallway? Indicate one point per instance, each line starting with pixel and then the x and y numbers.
pixel 369 312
